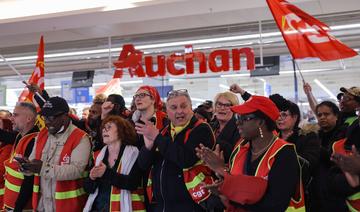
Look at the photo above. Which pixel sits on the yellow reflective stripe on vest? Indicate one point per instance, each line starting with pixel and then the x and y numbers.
pixel 293 209
pixel 14 173
pixel 12 187
pixel 350 207
pixel 69 194
pixel 2 191
pixel 36 188
pixel 196 181
pixel 134 197
pixel 355 196
pixel 350 120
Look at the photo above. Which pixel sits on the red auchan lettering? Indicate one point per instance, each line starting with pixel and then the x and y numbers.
pixel 132 59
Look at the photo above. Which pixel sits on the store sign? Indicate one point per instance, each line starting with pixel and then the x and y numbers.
pixel 132 59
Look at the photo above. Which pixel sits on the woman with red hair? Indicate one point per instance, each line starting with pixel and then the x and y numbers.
pixel 149 106
pixel 5 150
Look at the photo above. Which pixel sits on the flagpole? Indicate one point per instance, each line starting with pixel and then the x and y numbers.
pixel 295 83
pixel 297 66
pixel 21 76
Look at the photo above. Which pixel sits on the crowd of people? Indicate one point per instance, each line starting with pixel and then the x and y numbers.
pixel 167 156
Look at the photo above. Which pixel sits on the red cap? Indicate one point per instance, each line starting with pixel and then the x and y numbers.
pixel 260 103
pixel 155 94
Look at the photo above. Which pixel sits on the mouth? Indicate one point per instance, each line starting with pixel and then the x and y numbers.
pixel 180 118
pixel 105 136
pixel 222 113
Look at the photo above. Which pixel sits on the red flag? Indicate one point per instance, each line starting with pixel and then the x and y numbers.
pixel 306 36
pixel 112 87
pixel 36 77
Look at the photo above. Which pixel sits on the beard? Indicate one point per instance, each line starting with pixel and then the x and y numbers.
pixel 94 123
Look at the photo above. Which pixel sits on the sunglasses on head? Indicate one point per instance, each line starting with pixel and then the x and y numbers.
pixel 180 92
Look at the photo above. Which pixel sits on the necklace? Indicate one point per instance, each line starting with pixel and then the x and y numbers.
pixel 265 148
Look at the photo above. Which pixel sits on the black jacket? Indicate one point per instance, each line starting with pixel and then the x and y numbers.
pixel 227 137
pixel 307 147
pixel 168 159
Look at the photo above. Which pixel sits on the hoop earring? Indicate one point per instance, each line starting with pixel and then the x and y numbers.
pixel 261 132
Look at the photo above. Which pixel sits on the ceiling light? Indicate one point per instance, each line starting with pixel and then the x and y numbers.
pixel 235 75
pixel 324 88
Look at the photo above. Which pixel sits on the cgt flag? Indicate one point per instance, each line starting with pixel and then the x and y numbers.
pixel 37 77
pixel 306 36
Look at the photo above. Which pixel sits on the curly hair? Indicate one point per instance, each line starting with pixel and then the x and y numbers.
pixel 126 132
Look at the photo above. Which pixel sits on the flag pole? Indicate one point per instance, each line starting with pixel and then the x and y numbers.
pixel 21 76
pixel 298 68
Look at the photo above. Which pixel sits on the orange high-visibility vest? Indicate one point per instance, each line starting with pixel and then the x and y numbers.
pixel 13 177
pixel 193 176
pixel 353 201
pixel 137 196
pixel 69 194
pixel 238 159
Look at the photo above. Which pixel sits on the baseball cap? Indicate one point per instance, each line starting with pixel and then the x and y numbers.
pixel 54 106
pixel 355 91
pixel 260 103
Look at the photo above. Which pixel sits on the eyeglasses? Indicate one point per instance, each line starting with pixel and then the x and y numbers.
pixel 224 105
pixel 180 92
pixel 141 95
pixel 52 118
pixel 241 119
pixel 107 127
pixel 284 115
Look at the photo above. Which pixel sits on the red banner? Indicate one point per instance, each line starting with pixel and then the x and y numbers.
pixel 306 36
pixel 36 77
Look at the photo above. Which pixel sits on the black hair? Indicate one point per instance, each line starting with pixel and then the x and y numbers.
pixel 333 107
pixel 281 103
pixel 269 123
pixel 285 105
pixel 294 110
pixel 119 103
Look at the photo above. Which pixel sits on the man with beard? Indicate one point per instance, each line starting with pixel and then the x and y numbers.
pixel 58 160
pixel 18 188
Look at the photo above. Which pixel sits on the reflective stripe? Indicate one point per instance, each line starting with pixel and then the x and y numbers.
pixel 139 210
pixel 355 196
pixel 2 191
pixel 69 194
pixel 196 181
pixel 115 197
pixel 293 209
pixel 12 187
pixel 350 120
pixel 350 207
pixel 134 197
pixel 137 197
pixel 14 173
pixel 36 188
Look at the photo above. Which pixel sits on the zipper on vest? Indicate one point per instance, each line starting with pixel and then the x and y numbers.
pixel 161 192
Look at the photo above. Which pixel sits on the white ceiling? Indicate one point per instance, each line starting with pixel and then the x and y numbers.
pixel 144 17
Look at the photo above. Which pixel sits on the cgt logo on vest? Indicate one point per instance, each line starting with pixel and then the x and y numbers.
pixel 132 59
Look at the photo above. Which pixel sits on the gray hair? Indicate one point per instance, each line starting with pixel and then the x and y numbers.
pixel 30 106
pixel 176 93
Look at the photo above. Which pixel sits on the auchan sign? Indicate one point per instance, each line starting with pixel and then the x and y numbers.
pixel 132 59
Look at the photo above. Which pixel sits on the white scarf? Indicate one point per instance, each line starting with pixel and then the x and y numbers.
pixel 127 161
